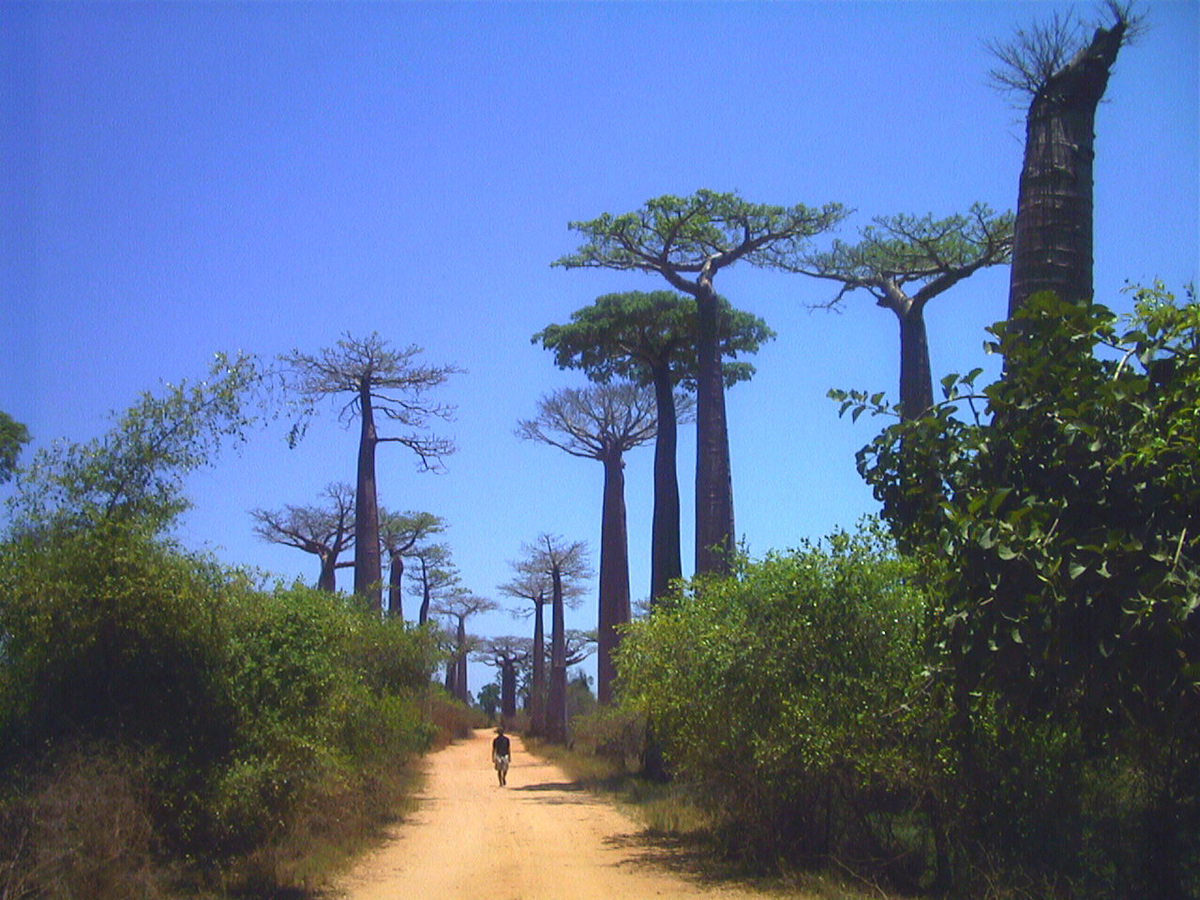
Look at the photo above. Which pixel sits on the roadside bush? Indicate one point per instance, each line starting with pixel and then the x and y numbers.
pixel 614 733
pixel 82 827
pixel 787 696
pixel 241 707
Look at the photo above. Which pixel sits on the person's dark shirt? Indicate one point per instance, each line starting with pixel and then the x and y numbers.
pixel 500 745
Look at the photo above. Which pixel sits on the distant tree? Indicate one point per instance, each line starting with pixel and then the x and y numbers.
pixel 688 240
pixel 650 338
pixel 460 605
pixel 565 565
pixel 532 584
pixel 489 700
pixel 602 422
pixel 580 699
pixel 1064 77
pixel 399 534
pixel 507 654
pixel 436 576
pixel 13 435
pixel 904 262
pixel 324 531
pixel 379 380
pixel 136 471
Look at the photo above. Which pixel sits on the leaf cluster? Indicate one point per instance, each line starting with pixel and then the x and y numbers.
pixel 794 675
pixel 246 704
pixel 636 335
pixel 1062 522
pixel 698 235
pixel 897 251
pixel 137 470
pixel 13 435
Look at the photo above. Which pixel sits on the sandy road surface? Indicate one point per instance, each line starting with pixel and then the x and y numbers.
pixel 539 838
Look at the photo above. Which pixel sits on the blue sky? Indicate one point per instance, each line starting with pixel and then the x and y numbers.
pixel 180 179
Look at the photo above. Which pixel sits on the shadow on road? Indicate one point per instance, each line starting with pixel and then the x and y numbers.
pixel 552 786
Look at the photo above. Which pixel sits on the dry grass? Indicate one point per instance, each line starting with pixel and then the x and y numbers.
pixel 84 830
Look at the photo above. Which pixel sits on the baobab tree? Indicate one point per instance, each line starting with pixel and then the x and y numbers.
pixel 379 381
pixel 531 584
pixel 1064 76
pixel 602 422
pixel 458 606
pixel 688 240
pixel 507 654
pixel 650 339
pixel 324 531
pixel 565 566
pixel 904 262
pixel 436 576
pixel 399 534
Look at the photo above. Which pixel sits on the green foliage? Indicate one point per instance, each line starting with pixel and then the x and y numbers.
pixel 681 233
pixel 1059 528
pixel 12 436
pixel 136 470
pixel 1070 521
pixel 635 334
pixel 784 693
pixel 898 251
pixel 242 705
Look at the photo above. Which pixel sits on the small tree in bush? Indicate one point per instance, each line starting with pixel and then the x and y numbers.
pixel 1061 528
pixel 786 693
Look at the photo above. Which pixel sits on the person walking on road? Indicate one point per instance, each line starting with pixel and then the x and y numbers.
pixel 501 754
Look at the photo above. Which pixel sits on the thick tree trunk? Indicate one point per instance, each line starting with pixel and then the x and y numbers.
pixel 460 661
pixel 367 568
pixel 508 691
pixel 714 481
pixel 426 599
pixel 666 557
pixel 395 577
pixel 556 718
pixel 614 573
pixel 916 379
pixel 1052 238
pixel 537 687
pixel 327 580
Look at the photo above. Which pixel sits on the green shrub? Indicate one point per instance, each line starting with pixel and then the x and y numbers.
pixel 243 707
pixel 786 697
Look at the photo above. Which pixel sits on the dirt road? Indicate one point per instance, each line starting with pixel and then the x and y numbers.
pixel 539 838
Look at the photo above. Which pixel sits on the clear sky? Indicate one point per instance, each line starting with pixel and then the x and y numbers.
pixel 180 179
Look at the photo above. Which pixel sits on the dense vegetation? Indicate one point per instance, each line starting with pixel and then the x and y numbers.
pixel 1008 693
pixel 169 724
pixel 161 717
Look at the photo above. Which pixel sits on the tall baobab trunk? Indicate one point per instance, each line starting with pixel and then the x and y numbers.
pixel 714 480
pixel 1052 241
pixel 556 714
pixel 537 687
pixel 327 580
pixel 426 594
pixel 460 661
pixel 614 573
pixel 508 690
pixel 367 569
pixel 666 558
pixel 916 380
pixel 395 577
